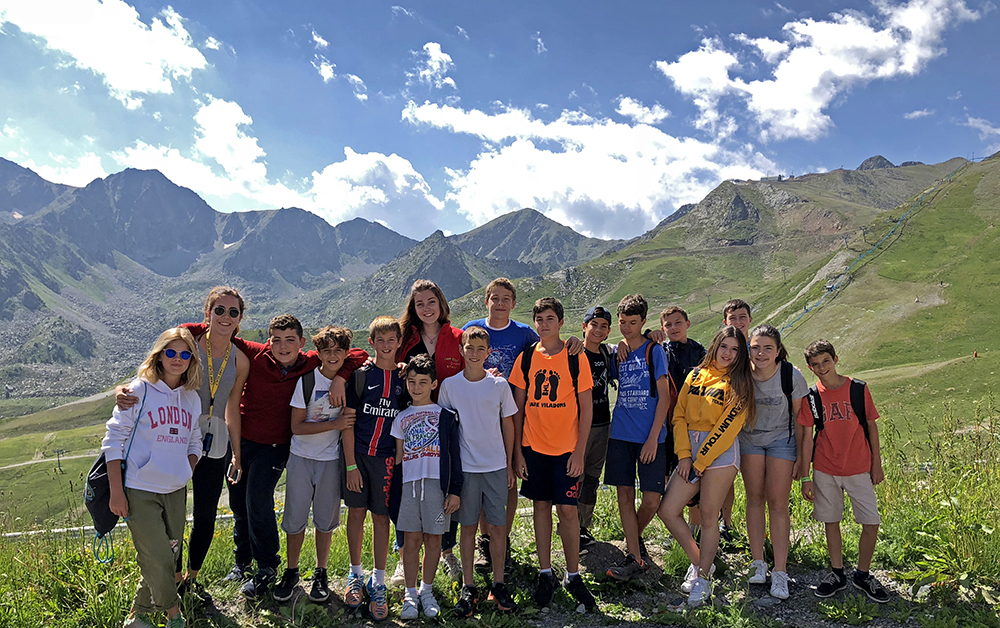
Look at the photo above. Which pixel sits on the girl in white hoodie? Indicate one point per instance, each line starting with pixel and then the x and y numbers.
pixel 160 440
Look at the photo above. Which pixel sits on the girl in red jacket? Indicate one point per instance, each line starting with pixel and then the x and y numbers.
pixel 426 329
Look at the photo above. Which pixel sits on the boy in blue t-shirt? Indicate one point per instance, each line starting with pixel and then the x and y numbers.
pixel 508 338
pixel 638 433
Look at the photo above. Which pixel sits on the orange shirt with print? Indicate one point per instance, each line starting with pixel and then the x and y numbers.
pixel 551 413
pixel 841 448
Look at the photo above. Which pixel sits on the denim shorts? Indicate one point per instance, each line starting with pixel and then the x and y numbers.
pixel 782 448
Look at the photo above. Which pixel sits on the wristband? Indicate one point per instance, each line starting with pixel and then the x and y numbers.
pixel 352 467
pixel 806 479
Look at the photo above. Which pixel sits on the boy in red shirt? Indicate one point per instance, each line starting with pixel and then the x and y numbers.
pixel 846 458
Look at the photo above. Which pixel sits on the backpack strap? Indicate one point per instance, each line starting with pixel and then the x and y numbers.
pixel 358 379
pixel 858 405
pixel 526 366
pixel 605 352
pixel 574 371
pixel 652 371
pixel 308 383
pixel 816 407
pixel 787 386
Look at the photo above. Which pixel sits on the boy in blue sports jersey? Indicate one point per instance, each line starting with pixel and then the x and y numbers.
pixel 375 392
pixel 638 433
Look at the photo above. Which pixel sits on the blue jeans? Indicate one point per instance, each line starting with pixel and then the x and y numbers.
pixel 255 529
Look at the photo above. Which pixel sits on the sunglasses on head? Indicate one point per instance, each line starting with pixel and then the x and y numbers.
pixel 233 312
pixel 172 353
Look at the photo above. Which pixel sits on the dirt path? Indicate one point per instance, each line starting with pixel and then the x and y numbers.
pixel 21 464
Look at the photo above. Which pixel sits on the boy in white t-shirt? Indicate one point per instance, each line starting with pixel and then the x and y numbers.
pixel 485 408
pixel 313 471
pixel 427 444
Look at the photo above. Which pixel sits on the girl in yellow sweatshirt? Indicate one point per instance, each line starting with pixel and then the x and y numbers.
pixel 715 402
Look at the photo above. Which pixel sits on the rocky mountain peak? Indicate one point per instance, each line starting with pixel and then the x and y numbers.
pixel 876 162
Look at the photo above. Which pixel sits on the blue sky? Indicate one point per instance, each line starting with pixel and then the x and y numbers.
pixel 447 114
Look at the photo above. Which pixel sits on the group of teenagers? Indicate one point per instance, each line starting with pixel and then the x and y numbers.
pixel 434 431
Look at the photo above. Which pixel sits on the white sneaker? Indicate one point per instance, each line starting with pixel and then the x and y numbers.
pixel 410 610
pixel 452 566
pixel 398 579
pixel 430 604
pixel 758 572
pixel 779 585
pixel 700 590
pixel 691 576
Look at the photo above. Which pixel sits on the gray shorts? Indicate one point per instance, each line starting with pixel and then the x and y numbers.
pixel 311 482
pixel 486 492
pixel 728 458
pixel 422 508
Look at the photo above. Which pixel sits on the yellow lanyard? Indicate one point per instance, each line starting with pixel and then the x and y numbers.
pixel 213 380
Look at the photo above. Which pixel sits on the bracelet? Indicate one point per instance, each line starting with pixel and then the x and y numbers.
pixel 352 467
pixel 806 479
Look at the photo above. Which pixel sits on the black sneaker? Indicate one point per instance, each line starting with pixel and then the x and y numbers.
pixel 646 561
pixel 580 592
pixel 545 589
pixel 587 541
pixel 320 591
pixel 239 573
pixel 871 586
pixel 466 604
pixel 830 585
pixel 286 588
pixel 628 569
pixel 257 586
pixel 484 560
pixel 500 595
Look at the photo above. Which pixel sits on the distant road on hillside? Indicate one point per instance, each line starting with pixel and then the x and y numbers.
pixel 21 464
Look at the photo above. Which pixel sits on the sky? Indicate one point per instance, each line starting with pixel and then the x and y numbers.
pixel 445 115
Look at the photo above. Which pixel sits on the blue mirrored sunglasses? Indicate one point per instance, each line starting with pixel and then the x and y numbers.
pixel 171 353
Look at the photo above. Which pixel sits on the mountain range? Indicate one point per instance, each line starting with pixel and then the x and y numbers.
pixel 88 276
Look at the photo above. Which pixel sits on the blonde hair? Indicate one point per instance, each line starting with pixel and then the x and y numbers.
pixel 150 369
pixel 384 325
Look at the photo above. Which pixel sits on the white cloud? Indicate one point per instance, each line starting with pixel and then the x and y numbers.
pixel 817 61
pixel 783 8
pixel 360 89
pixel 599 176
pixel 398 10
pixel 226 162
pixel 987 132
pixel 318 40
pixel 109 39
pixel 920 113
pixel 464 34
pixel 955 96
pixel 539 44
pixel 639 113
pixel 213 44
pixel 77 172
pixel 324 67
pixel 432 67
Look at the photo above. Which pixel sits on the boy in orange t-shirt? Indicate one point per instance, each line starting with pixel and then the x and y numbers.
pixel 847 459
pixel 553 394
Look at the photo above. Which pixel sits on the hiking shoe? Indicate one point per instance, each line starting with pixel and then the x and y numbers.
pixel 320 591
pixel 500 595
pixel 545 588
pixel 587 541
pixel 378 605
pixel 286 588
pixel 871 587
pixel 177 621
pixel 578 589
pixel 466 604
pixel 830 585
pixel 239 573
pixel 758 572
pixel 691 576
pixel 353 596
pixel 484 560
pixel 429 604
pixel 644 558
pixel 398 578
pixel 257 586
pixel 779 585
pixel 410 610
pixel 141 620
pixel 628 569
pixel 452 566
pixel 700 592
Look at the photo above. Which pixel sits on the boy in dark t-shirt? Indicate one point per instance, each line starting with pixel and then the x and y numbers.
pixel 596 327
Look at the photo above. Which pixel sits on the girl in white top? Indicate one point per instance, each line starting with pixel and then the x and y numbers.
pixel 160 441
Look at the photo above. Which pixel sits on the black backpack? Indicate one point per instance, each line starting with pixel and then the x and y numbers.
pixel 857 405
pixel 574 368
pixel 787 386
pixel 309 382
